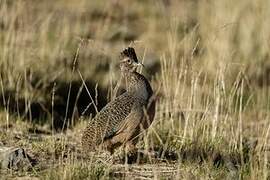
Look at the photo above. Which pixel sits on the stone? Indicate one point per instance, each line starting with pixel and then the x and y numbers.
pixel 15 158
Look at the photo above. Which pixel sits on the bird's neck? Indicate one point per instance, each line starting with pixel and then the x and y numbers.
pixel 137 85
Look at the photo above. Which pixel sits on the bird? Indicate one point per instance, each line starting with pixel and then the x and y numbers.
pixel 123 119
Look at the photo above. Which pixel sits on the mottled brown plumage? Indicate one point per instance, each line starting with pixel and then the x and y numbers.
pixel 121 120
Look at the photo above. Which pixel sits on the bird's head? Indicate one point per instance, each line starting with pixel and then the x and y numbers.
pixel 128 60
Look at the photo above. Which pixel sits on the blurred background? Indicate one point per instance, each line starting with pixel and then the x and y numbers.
pixel 40 39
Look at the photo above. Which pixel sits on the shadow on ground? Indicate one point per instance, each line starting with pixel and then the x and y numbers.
pixel 71 100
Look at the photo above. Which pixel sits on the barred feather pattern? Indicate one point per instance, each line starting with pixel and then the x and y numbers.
pixel 106 122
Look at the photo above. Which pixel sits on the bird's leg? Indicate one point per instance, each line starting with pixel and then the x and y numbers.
pixel 127 153
pixel 108 146
pixel 130 148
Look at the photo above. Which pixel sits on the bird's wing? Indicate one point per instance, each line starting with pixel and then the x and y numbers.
pixel 114 114
pixel 129 125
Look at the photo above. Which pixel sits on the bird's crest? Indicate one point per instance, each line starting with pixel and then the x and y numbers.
pixel 130 53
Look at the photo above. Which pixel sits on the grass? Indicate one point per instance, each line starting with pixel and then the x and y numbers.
pixel 208 62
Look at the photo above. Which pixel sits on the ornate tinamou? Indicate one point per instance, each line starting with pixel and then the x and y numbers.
pixel 123 119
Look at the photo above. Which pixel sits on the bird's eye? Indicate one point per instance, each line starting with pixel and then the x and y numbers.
pixel 128 61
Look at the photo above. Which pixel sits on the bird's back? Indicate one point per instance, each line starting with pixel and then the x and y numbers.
pixel 106 122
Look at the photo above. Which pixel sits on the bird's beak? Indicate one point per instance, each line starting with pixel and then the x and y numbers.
pixel 138 64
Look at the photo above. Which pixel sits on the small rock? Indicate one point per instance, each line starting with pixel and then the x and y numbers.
pixel 14 158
